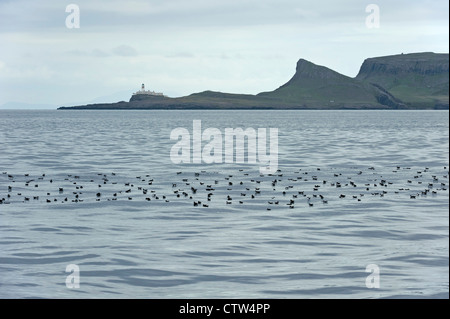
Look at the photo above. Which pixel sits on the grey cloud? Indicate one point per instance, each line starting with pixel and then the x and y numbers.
pixel 186 55
pixel 97 53
pixel 125 51
pixel 156 15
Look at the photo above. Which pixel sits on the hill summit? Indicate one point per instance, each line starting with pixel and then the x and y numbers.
pixel 318 86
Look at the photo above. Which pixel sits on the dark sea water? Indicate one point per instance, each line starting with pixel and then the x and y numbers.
pixel 126 218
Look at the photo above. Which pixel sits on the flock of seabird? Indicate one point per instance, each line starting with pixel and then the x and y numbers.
pixel 204 189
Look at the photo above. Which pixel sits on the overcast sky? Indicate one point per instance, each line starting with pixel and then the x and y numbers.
pixel 182 47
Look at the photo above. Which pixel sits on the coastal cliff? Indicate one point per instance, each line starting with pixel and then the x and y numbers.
pixel 405 81
pixel 420 80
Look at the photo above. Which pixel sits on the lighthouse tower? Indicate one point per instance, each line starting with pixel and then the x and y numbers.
pixel 148 92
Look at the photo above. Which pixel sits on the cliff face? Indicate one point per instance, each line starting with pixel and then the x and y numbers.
pixel 421 64
pixel 418 79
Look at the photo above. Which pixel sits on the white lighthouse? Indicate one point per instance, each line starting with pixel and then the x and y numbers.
pixel 147 92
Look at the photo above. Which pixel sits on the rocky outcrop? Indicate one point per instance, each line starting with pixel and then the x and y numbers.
pixel 386 98
pixel 146 97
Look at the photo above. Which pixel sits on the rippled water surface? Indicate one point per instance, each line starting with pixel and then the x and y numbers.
pixel 98 189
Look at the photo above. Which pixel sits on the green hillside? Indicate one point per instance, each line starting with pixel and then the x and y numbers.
pixel 317 86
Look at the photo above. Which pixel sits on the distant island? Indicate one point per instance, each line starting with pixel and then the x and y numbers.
pixel 404 81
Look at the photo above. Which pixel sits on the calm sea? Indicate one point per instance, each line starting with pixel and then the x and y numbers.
pixel 98 189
